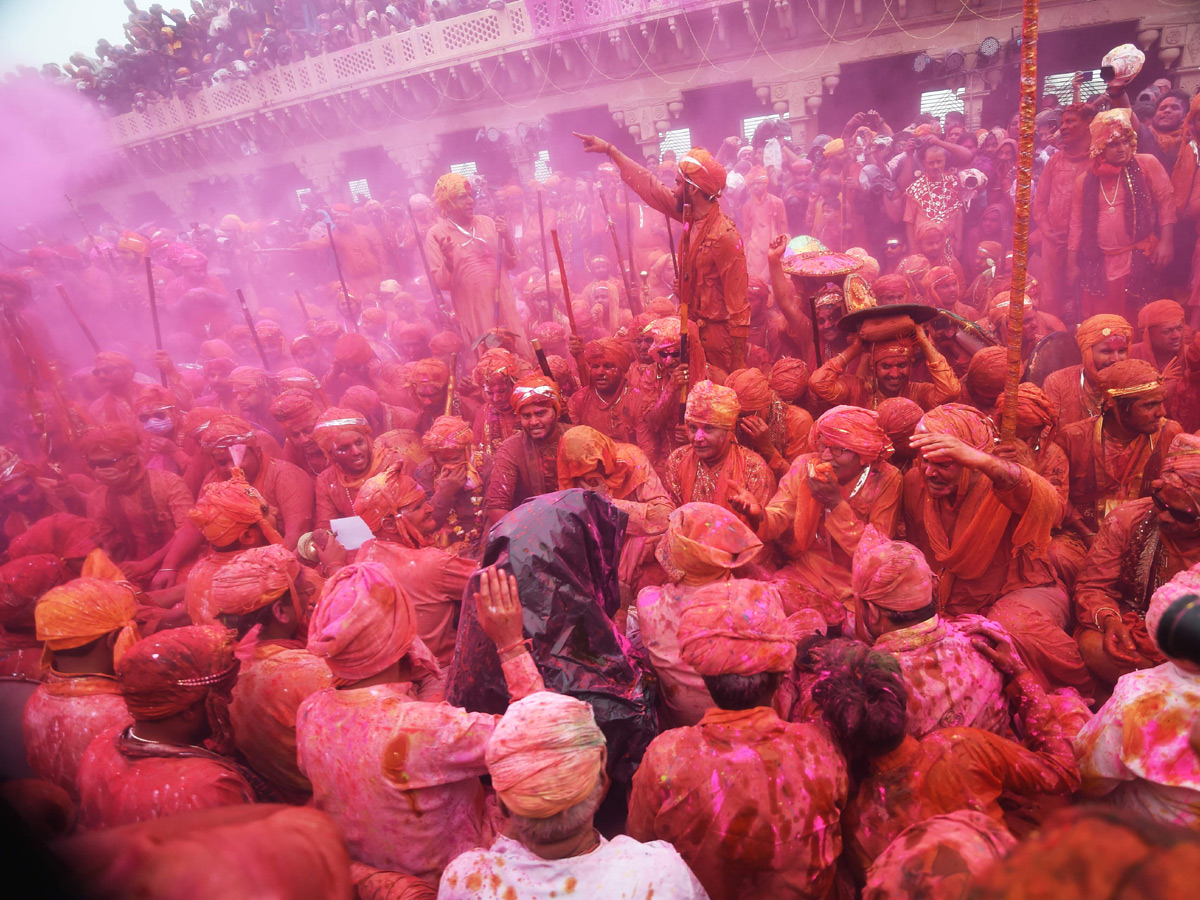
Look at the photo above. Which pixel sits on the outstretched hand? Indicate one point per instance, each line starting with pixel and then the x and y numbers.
pixel 592 144
pixel 994 643
pixel 498 607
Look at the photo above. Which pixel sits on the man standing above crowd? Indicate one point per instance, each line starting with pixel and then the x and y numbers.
pixel 715 262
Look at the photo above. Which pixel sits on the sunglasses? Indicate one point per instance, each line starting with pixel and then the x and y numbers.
pixel 105 463
pixel 1183 516
pixel 156 416
pixel 669 354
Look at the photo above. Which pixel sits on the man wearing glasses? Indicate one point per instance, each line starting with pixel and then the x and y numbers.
pixel 1141 545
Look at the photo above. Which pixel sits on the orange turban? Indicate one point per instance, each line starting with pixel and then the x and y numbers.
pixel 704 542
pixel 887 284
pixel 1035 410
pixel 337 420
pixel 429 371
pixel 448 187
pixel 363 623
pixel 250 377
pixel 296 379
pixel 712 404
pixel 852 428
pixel 225 431
pixel 447 433
pixel 895 348
pixel 154 396
pixel 114 437
pixel 1097 329
pixel 583 450
pixel 1181 468
pixel 890 574
pixel 964 422
pixel 353 349
pixel 934 277
pixel 1109 126
pixel 609 350
pixel 1160 312
pixel 1130 378
pixel 536 390
pixel 545 754
pixel 293 407
pixel 665 333
pixel 444 343
pixel 752 389
pixel 497 362
pixel 255 578
pixel 987 371
pixel 701 170
pixel 23 581
pixel 227 508
pixel 384 494
pixel 789 378
pixel 83 610
pixel 737 627
pixel 898 415
pixel 173 670
pixel 114 359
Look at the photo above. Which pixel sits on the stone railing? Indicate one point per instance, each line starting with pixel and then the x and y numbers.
pixel 519 25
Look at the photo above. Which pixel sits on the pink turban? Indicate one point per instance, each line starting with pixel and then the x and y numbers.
pixel 898 415
pixel 852 428
pixel 545 754
pixel 363 623
pixel 892 575
pixel 1184 584
pixel 255 578
pixel 964 422
pixel 447 433
pixel 1181 468
pixel 173 670
pixel 737 627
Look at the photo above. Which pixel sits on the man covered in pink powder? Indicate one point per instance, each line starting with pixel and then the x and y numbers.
pixel 396 767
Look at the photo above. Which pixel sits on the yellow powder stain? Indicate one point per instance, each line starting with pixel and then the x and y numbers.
pixel 474 881
pixel 570 886
pixel 511 893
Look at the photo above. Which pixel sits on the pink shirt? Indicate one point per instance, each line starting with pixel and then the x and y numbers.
pixel 1136 752
pixel 684 699
pixel 950 683
pixel 400 775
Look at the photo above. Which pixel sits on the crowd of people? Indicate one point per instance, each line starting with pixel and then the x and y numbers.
pixel 679 533
pixel 170 52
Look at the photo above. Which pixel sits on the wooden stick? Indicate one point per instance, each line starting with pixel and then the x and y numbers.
pixel 162 376
pixel 562 274
pixel 545 253
pixel 262 354
pixel 1016 308
pixel 87 332
pixel 450 386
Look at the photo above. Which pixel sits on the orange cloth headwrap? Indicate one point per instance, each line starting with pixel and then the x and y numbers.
pixel 447 433
pixel 704 542
pixel 701 170
pixel 712 404
pixel 430 371
pixel 83 610
pixel 609 350
pixel 173 670
pixel 738 627
pixel 789 378
pixel 898 415
pixel 545 754
pixel 892 575
pixel 752 389
pixel 448 187
pixel 583 450
pixel 114 437
pixel 1160 312
pixel 1109 126
pixel 853 428
pixel 1130 378
pixel 1097 329
pixel 255 578
pixel 496 362
pixel 227 508
pixel 1034 408
pixel 338 420
pixel 1181 468
pixel 385 494
pixel 536 390
pixel 295 406
pixel 964 422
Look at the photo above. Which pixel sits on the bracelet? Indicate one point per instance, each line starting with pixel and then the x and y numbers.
pixel 513 646
pixel 1096 615
pixel 166 570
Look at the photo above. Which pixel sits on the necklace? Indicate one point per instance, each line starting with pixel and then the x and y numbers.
pixel 1116 192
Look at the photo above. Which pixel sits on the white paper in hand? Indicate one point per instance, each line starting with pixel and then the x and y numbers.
pixel 351 532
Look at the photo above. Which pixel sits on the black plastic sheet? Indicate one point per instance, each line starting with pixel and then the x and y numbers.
pixel 563 549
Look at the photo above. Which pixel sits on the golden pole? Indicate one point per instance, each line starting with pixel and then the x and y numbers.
pixel 1016 310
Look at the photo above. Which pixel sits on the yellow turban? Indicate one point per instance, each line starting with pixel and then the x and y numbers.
pixel 449 186
pixel 83 610
pixel 712 404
